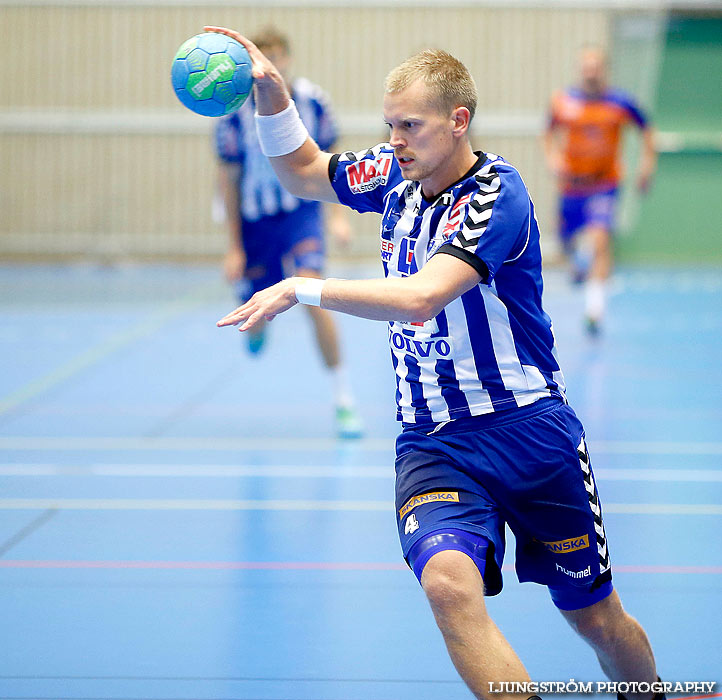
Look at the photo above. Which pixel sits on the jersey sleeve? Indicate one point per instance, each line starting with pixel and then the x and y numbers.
pixel 361 180
pixel 497 224
pixel 633 110
pixel 637 115
pixel 326 124
pixel 227 139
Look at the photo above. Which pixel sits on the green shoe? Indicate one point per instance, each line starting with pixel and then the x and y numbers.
pixel 592 327
pixel 256 341
pixel 348 424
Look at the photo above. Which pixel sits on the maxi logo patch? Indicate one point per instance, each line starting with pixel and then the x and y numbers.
pixel 435 497
pixel 570 545
pixel 366 175
pixel 456 217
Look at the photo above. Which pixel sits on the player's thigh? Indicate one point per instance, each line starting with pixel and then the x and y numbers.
pixel 553 507
pixel 600 209
pixel 440 507
pixel 307 257
pixel 304 248
pixel 571 219
pixel 263 256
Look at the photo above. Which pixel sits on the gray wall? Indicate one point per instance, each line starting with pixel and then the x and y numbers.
pixel 103 161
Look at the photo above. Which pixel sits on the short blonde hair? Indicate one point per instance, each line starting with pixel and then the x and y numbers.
pixel 448 79
pixel 271 38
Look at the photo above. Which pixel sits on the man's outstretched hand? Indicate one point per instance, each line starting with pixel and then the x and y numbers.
pixel 266 304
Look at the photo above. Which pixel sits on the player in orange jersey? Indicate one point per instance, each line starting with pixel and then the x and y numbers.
pixel 582 147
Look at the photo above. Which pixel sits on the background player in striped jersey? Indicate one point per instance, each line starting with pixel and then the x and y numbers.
pixel 582 144
pixel 271 231
pixel 488 438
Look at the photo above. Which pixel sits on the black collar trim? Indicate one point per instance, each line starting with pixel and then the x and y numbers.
pixel 481 158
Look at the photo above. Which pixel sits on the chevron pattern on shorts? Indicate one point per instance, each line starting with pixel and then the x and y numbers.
pixel 594 505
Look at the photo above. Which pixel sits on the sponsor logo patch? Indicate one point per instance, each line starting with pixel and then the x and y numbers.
pixel 570 545
pixel 575 574
pixel 366 175
pixel 435 497
pixel 428 348
pixel 387 250
pixel 455 217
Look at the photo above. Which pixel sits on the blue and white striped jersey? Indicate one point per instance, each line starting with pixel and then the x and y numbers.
pixel 236 142
pixel 491 349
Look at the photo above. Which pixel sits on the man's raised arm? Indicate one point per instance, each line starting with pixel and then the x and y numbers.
pixel 301 166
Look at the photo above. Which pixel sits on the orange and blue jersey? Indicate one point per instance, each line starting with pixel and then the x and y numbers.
pixel 592 126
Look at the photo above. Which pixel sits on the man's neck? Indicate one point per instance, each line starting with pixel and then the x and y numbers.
pixel 593 92
pixel 456 169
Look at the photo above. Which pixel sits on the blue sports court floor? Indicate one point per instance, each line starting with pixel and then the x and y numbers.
pixel 177 520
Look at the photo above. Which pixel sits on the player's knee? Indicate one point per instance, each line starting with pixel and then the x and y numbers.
pixel 450 580
pixel 450 566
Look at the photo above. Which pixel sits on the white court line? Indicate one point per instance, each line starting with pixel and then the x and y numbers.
pixel 279 444
pixel 300 471
pixel 675 475
pixel 92 355
pixel 298 505
pixel 663 508
pixel 189 504
pixel 160 444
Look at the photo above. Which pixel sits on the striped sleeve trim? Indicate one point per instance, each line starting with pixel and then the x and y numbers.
pixel 468 257
pixel 360 155
pixel 332 165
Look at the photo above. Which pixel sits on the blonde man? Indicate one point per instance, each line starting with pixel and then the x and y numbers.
pixel 488 438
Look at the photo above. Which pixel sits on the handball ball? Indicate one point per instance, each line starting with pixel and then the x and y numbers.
pixel 211 74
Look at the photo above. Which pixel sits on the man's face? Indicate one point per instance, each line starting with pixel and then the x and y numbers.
pixel 421 135
pixel 281 59
pixel 593 71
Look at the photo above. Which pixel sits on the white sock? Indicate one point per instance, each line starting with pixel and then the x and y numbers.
pixel 595 293
pixel 341 386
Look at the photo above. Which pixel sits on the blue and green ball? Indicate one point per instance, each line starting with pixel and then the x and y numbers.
pixel 211 74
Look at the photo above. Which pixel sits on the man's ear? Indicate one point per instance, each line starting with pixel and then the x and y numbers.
pixel 461 117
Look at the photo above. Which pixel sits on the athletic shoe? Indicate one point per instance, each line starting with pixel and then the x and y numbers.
pixel 348 424
pixel 256 341
pixel 592 326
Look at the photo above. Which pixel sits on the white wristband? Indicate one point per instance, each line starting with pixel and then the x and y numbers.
pixel 281 133
pixel 308 290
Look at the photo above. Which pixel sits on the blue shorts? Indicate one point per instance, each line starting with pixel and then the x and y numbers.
pixel 527 468
pixel 276 246
pixel 577 211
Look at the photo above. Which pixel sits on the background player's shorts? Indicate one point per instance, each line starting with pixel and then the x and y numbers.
pixel 578 211
pixel 528 468
pixel 269 244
